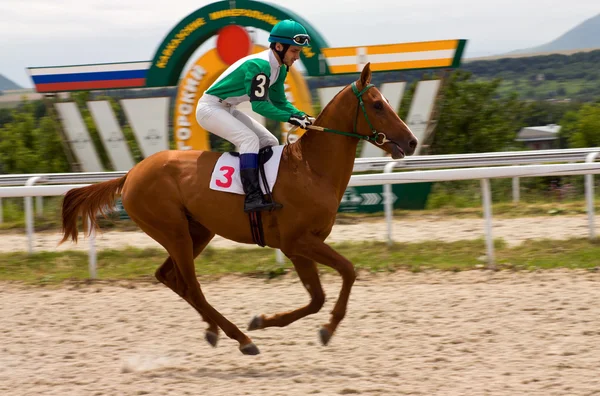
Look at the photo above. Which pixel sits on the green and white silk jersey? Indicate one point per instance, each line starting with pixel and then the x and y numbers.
pixel 259 79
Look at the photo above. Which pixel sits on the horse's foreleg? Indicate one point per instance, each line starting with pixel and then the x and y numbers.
pixel 315 249
pixel 309 276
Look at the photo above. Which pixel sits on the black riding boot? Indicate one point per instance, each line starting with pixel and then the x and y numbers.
pixel 254 197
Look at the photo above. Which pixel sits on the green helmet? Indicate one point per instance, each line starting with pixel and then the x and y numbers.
pixel 290 32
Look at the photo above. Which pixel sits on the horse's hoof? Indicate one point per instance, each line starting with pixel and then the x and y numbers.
pixel 249 349
pixel 256 323
pixel 325 335
pixel 211 337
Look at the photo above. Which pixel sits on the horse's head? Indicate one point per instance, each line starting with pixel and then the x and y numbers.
pixel 376 119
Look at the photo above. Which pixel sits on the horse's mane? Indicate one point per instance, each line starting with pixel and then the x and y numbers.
pixel 331 102
pixel 323 111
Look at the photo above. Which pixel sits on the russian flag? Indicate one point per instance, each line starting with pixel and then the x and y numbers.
pixel 89 77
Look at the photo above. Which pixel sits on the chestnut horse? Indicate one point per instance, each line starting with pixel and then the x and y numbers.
pixel 168 196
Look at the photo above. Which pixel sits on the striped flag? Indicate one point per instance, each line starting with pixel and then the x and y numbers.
pixel 89 77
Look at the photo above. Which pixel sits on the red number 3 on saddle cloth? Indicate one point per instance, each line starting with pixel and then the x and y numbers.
pixel 227 173
pixel 226 176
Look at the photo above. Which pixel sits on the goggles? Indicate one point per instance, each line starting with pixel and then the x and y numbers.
pixel 300 39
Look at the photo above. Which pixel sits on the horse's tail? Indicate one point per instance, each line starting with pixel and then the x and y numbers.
pixel 87 201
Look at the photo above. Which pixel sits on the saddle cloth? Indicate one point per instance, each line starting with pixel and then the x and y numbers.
pixel 226 173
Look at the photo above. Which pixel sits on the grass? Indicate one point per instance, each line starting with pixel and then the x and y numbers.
pixel 51 268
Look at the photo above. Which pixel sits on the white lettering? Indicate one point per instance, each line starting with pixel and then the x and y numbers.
pixel 188 97
pixel 183 146
pixel 183 121
pixel 190 86
pixel 184 133
pixel 198 72
pixel 186 109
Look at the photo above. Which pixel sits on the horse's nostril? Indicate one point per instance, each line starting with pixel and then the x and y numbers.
pixel 412 144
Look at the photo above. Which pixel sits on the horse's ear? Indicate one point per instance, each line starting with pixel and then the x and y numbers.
pixel 365 75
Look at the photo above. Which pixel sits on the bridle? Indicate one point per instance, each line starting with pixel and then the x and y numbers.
pixel 379 138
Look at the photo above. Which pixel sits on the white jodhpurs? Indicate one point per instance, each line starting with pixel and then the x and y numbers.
pixel 231 124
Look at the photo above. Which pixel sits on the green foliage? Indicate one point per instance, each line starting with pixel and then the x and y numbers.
pixel 30 139
pixel 544 112
pixel 29 144
pixel 472 120
pixel 47 268
pixel 582 128
pixel 555 76
pixel 5 117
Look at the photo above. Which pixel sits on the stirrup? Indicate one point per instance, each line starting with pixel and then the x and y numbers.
pixel 260 206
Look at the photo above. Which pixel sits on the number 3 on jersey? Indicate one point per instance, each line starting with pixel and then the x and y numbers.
pixel 258 89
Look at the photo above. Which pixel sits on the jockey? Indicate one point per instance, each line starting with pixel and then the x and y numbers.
pixel 260 79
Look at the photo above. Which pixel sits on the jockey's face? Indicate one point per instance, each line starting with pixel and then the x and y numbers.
pixel 291 55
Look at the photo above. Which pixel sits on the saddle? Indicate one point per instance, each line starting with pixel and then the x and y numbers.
pixel 264 154
pixel 255 218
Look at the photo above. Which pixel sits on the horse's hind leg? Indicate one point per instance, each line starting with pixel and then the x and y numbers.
pixel 169 274
pixel 180 250
pixel 309 276
pixel 171 231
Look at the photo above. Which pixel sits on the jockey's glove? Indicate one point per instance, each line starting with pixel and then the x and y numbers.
pixel 300 120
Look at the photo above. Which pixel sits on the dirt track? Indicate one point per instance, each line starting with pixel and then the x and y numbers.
pixel 472 333
pixel 513 231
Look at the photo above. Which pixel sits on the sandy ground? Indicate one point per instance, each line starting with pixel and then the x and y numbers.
pixel 513 231
pixel 471 333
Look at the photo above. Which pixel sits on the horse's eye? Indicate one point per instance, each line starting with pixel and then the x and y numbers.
pixel 378 105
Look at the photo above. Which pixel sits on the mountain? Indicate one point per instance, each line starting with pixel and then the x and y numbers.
pixel 6 84
pixel 586 35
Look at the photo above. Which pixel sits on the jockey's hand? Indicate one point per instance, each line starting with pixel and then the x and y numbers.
pixel 311 119
pixel 300 120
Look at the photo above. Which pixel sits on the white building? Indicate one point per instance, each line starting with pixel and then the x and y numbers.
pixel 540 137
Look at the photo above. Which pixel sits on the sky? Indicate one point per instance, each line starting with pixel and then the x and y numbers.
pixel 63 32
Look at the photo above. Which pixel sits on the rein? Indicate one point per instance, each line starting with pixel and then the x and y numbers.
pixel 379 138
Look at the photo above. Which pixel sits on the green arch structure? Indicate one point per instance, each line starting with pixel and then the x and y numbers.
pixel 181 42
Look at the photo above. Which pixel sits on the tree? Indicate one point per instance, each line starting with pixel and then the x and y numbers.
pixel 543 112
pixel 472 120
pixel 29 144
pixel 582 129
pixel 51 157
pixel 5 117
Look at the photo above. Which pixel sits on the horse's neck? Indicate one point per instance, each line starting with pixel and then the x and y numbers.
pixel 331 156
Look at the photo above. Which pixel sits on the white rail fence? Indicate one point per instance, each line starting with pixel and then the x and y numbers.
pixel 385 179
pixel 360 165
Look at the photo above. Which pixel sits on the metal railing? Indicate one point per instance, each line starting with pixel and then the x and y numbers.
pixel 360 164
pixel 479 159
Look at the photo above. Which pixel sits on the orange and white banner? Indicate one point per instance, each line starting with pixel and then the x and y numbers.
pixel 422 55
